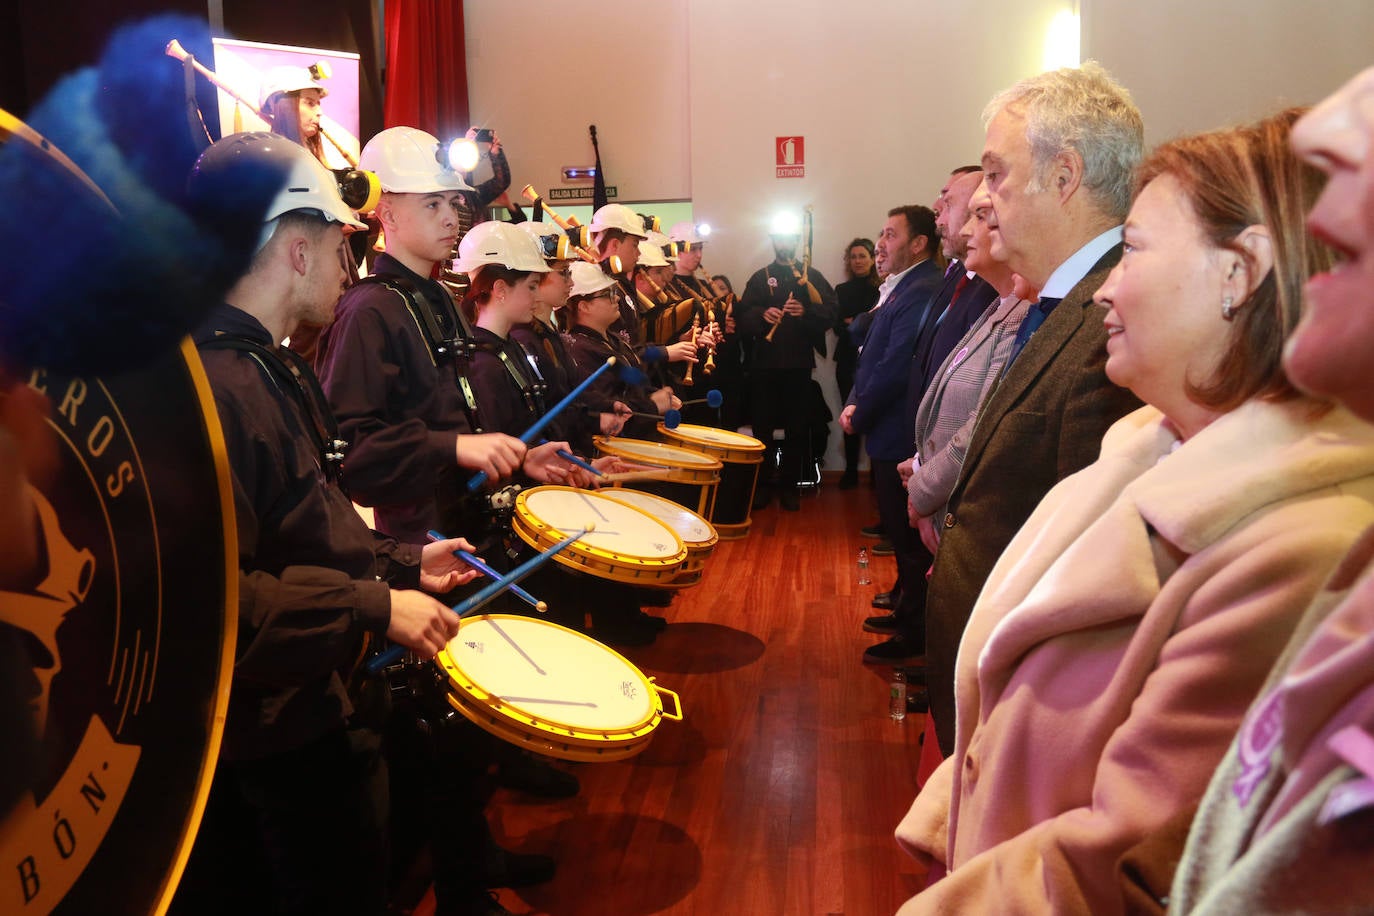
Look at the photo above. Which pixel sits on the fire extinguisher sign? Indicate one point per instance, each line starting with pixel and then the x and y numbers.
pixel 791 153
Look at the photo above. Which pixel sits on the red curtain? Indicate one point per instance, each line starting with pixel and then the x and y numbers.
pixel 426 66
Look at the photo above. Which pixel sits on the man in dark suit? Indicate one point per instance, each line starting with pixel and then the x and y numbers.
pixel 965 295
pixel 1057 209
pixel 876 407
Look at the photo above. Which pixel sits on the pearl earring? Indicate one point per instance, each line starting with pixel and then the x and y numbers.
pixel 1228 311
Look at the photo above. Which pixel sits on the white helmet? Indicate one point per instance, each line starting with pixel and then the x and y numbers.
pixel 553 242
pixel 686 231
pixel 406 160
pixel 618 216
pixel 666 246
pixel 286 79
pixel 244 158
pixel 495 242
pixel 651 255
pixel 588 279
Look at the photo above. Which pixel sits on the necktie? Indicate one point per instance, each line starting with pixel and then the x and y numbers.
pixel 1034 318
pixel 958 288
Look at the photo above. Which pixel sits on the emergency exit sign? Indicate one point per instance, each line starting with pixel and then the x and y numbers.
pixel 580 193
pixel 791 157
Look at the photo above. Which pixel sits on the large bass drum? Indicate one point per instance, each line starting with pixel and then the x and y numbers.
pixel 552 690
pixel 626 544
pixel 123 643
pixel 741 457
pixel 691 477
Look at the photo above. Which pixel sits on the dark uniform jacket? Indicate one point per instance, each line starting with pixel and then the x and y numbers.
pixel 590 351
pixel 1043 421
pixel 578 423
pixel 400 411
pixel 311 572
pixel 799 338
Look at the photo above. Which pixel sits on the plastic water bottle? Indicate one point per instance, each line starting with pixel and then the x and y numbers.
pixel 897 695
pixel 864 577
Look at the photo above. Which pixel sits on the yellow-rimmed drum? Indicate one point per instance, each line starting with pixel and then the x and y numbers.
pixel 695 531
pixel 626 545
pixel 741 457
pixel 552 690
pixel 691 478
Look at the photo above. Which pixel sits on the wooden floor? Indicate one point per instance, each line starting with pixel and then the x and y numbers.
pixel 779 792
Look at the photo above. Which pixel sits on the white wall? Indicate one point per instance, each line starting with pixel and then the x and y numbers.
pixel 540 72
pixel 1194 65
pixel 887 93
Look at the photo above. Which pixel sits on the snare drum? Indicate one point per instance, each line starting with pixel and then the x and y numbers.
pixel 742 456
pixel 627 545
pixel 551 690
pixel 695 531
pixel 692 475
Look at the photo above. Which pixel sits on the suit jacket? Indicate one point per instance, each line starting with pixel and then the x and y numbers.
pixel 1119 641
pixel 949 410
pixel 977 295
pixel 972 303
pixel 879 392
pixel 1042 422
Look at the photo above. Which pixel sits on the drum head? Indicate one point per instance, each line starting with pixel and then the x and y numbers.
pixel 626 543
pixel 656 453
pixel 726 438
pixel 695 531
pixel 538 684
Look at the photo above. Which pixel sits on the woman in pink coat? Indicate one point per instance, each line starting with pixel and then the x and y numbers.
pixel 1119 640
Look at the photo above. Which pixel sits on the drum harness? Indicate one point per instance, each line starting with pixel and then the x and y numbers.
pixel 449 348
pixel 292 376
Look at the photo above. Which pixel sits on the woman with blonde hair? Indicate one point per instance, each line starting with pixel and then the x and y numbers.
pixel 1119 640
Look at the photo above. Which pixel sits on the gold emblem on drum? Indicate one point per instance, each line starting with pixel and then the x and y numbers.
pixel 51 834
pixel 124 629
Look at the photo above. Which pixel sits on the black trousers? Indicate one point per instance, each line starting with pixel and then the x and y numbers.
pixel 844 379
pixel 296 832
pixel 782 399
pixel 911 555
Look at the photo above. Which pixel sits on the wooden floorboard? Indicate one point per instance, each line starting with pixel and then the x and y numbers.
pixel 779 792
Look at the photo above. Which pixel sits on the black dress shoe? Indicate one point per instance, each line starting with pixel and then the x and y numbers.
pixel 886 624
pixel 895 651
pixel 849 480
pixel 651 621
pixel 883 549
pixel 917 699
pixel 884 601
pixel 790 501
pixel 874 530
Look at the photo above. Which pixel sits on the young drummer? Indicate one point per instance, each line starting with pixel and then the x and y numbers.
pixel 593 309
pixel 393 363
pixel 292 824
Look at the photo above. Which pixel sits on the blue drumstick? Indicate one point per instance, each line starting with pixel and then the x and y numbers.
pixel 478 600
pixel 487 571
pixel 528 435
pixel 569 456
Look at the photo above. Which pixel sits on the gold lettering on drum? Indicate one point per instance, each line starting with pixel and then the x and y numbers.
pixel 115 483
pixel 74 398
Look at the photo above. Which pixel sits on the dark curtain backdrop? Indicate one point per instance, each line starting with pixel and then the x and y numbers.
pixel 427 76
